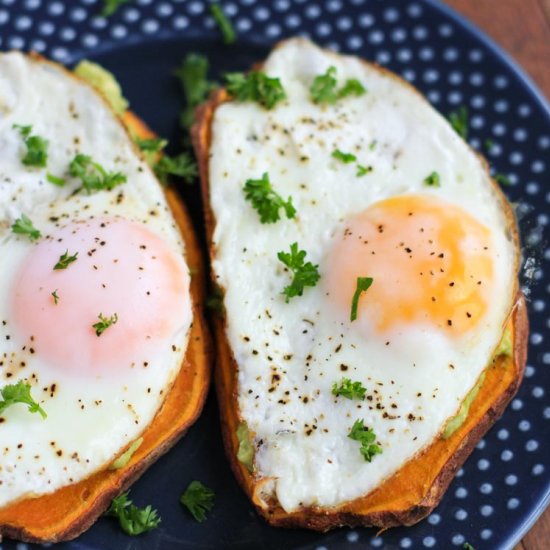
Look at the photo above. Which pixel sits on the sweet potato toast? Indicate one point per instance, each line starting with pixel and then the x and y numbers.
pixel 69 511
pixel 417 487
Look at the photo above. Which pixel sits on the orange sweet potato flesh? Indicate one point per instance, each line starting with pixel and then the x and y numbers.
pixel 412 492
pixel 69 511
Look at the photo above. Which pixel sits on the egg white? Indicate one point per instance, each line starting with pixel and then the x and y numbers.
pixel 90 418
pixel 300 428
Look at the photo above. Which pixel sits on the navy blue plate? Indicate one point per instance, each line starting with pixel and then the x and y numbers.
pixel 505 484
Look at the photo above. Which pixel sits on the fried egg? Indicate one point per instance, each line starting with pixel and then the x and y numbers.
pixel 99 383
pixel 442 259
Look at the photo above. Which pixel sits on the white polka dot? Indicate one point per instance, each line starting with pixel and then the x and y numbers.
pixel 499 129
pixel 353 536
pixel 281 5
pixel 414 10
pixel 455 78
pixel 430 76
pixel 180 22
pixel 520 134
pixel 354 42
pixel 56 8
pixel 323 29
pixel 90 40
pixel 544 142
pixel 376 37
pixel 131 15
pixel 32 4
pixel 376 542
pixel 511 479
pixel 486 488
pixel 503 434
pixel 476 79
pixel 420 33
pixel 517 404
pixel 457 539
pixel 434 519
pixel 4 17
pixel 261 14
pixel 486 534
pixel 546 413
pixel 512 504
pixel 273 30
pixel 343 23
pixel 450 54
pixel 537 166
pixel 506 455
pixel 60 54
pixel 461 492
pixel 38 46
pixel 16 43
pixel 455 98
pixel 291 21
pixel 475 55
pixel 477 101
pixel 516 158
pixel 366 20
pixel 531 445
pixel 23 23
pixel 486 510
pixel 445 30
pixel 537 469
pixel 334 5
pixel 150 26
pixel 78 14
pixel 164 10
pixel 99 22
pixel 405 542
pixel 195 8
pixel 429 542
pixel 391 15
pixel 426 54
pixel 399 35
pixel 477 121
pixel 524 425
pixel 461 514
pixel 313 11
pixel 46 28
pixel 524 110
pixel 529 371
pixel 119 31
pixel 409 75
pixel 460 472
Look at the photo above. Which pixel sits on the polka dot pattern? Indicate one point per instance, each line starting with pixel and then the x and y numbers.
pixel 507 476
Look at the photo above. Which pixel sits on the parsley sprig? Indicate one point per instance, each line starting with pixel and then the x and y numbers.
pixel 111 6
pixel 37 147
pixel 459 121
pixel 133 520
pixel 65 260
pixel 193 77
pixel 324 89
pixel 104 323
pixel 19 393
pixel 255 86
pixel 266 200
pixel 93 176
pixel 365 436
pixel 24 226
pixel 198 499
pixel 362 285
pixel 305 273
pixel 349 389
pixel 182 166
pixel 346 158
pixel 226 28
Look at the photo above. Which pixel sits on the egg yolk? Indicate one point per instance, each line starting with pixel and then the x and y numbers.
pixel 430 261
pixel 124 273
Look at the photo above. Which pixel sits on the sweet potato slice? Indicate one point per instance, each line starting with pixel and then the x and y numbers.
pixel 412 492
pixel 69 511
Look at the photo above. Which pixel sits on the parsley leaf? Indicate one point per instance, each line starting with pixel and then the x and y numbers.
pixel 468 546
pixel 133 520
pixel 352 87
pixel 346 158
pixel 37 147
pixel 323 90
pixel 65 260
pixel 503 179
pixel 305 274
pixel 60 182
pixel 224 24
pixel 19 393
pixel 349 389
pixel 183 166
pixel 24 226
pixel 111 6
pixel 489 144
pixel 93 176
pixel 198 499
pixel 151 145
pixel 267 201
pixel 104 323
pixel 459 121
pixel 363 170
pixel 255 86
pixel 433 180
pixel 363 284
pixel 55 297
pixel 193 78
pixel 365 436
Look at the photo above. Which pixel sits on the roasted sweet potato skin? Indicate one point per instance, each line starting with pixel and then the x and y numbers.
pixel 414 491
pixel 66 513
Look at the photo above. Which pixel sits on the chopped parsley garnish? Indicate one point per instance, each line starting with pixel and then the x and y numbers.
pixel 267 201
pixel 55 297
pixel 305 273
pixel 363 284
pixel 346 158
pixel 459 121
pixel 65 260
pixel 489 144
pixel 349 389
pixel 468 546
pixel 93 176
pixel 19 393
pixel 324 90
pixel 372 144
pixel 365 436
pixel 182 166
pixel 433 180
pixel 24 226
pixel 133 520
pixel 104 323
pixel 255 86
pixel 60 182
pixel 151 145
pixel 363 170
pixel 37 147
pixel 224 24
pixel 503 179
pixel 193 77
pixel 111 6
pixel 198 499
